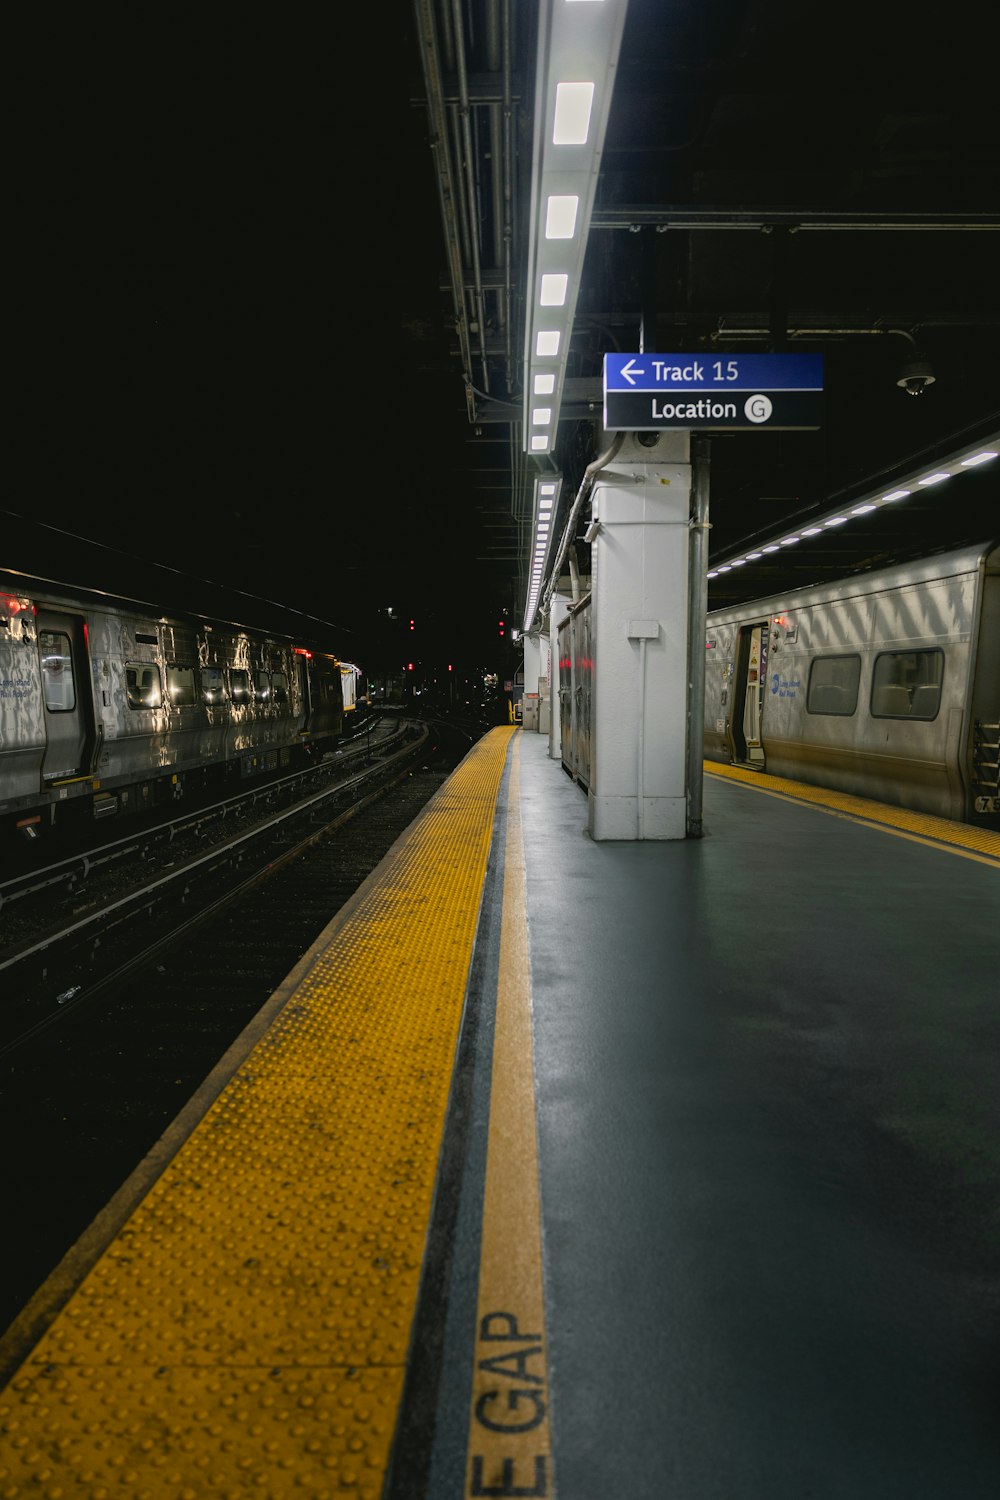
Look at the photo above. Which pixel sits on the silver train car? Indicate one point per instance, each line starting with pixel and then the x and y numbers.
pixel 885 685
pixel 108 706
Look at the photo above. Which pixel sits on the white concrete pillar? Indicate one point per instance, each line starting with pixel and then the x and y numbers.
pixel 532 667
pixel 639 626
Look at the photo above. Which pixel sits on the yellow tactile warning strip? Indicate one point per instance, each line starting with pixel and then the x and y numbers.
pixel 246 1331
pixel 510 1451
pixel 959 838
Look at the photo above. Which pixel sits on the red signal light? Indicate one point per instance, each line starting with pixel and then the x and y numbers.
pixel 409 666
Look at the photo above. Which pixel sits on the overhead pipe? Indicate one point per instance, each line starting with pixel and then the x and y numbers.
pixel 444 177
pixel 590 473
pixel 472 189
pixel 506 171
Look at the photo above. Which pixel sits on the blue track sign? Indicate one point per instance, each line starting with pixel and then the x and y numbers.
pixel 713 392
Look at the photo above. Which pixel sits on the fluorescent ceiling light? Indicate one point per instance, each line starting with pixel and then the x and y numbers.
pixel 578 46
pixel 574 104
pixel 969 457
pixel 541 416
pixel 560 216
pixel 555 284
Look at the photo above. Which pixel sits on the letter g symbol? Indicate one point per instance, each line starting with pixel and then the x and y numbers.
pixel 758 408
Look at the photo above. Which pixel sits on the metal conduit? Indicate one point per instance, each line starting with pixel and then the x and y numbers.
pixel 430 60
pixel 472 190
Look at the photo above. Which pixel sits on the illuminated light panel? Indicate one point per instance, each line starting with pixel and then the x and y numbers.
pixel 543 385
pixel 574 105
pixel 540 444
pixel 541 416
pixel 555 285
pixel 951 466
pixel 560 216
pixel 547 342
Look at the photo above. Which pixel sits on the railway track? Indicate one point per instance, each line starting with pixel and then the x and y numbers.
pixel 94 1069
pixel 88 920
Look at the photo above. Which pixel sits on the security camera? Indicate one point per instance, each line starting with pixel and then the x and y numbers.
pixel 915 376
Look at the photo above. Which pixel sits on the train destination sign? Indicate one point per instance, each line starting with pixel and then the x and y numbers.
pixel 712 392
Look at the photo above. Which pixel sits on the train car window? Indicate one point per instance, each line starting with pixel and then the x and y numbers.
pixel 907 684
pixel 213 685
pixel 180 685
pixel 261 687
pixel 280 682
pixel 58 687
pixel 142 685
pixel 833 685
pixel 239 685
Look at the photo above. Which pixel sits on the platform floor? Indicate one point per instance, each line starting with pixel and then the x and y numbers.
pixel 652 1171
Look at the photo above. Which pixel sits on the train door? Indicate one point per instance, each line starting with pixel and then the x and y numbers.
pixel 748 693
pixel 566 739
pixel 66 695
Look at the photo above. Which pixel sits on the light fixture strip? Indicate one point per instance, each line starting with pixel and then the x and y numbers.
pixel 970 457
pixel 547 487
pixel 578 46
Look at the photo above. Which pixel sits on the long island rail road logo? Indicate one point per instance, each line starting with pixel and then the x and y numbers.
pixel 713 393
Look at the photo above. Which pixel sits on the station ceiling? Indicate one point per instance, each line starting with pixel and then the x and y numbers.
pixel 775 178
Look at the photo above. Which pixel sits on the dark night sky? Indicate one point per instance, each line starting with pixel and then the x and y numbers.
pixel 219 262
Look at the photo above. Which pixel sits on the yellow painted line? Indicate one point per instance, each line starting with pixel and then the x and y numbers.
pixel 979 844
pixel 246 1329
pixel 510 1451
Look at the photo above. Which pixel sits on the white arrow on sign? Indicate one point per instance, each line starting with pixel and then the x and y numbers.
pixel 630 370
